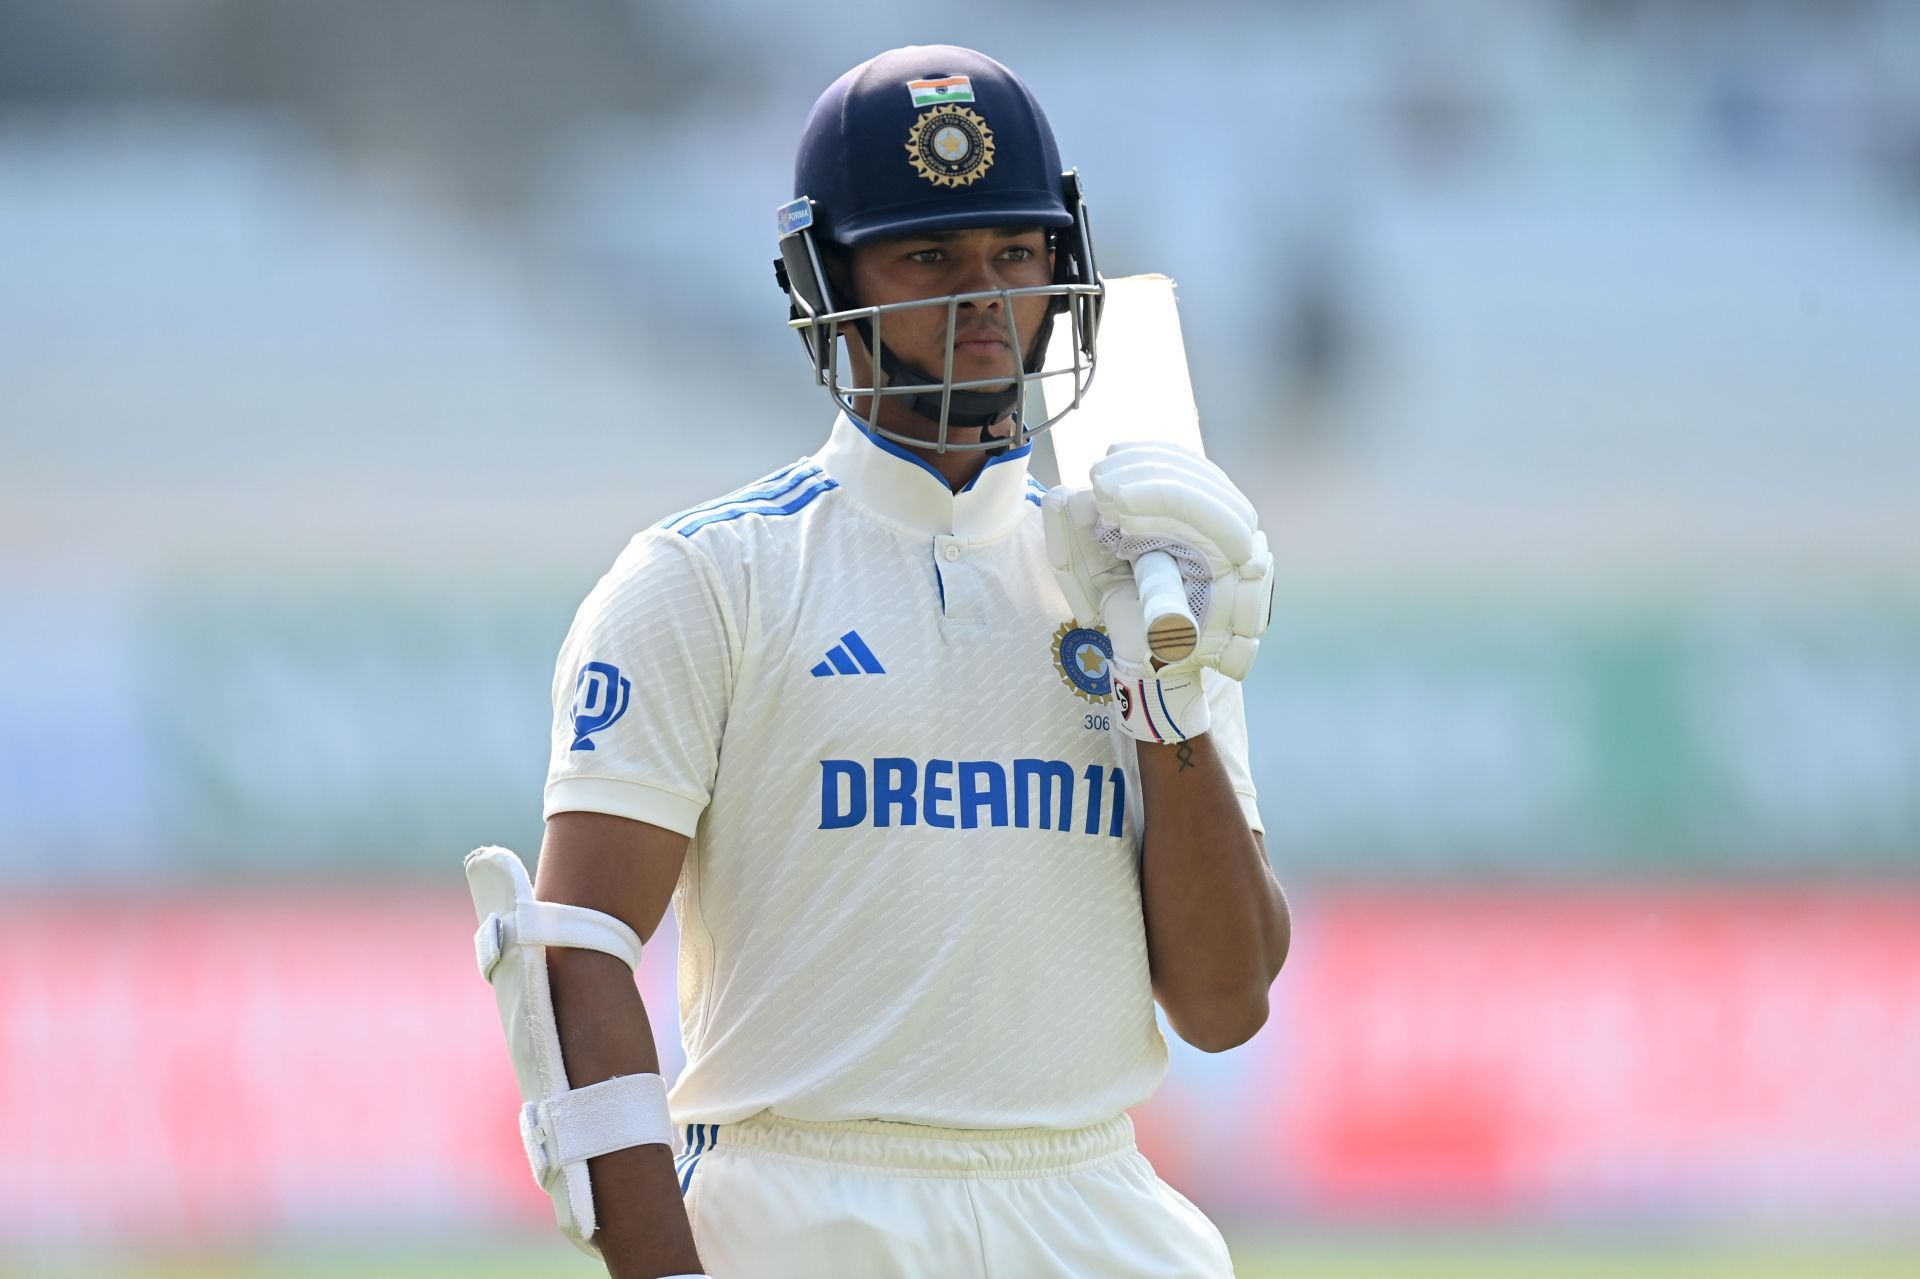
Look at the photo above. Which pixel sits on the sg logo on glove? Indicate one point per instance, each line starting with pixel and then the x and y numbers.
pixel 599 699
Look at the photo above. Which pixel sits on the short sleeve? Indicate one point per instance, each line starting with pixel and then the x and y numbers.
pixel 1227 704
pixel 641 689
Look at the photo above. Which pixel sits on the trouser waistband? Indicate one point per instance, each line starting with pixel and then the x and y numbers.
pixel 916 1149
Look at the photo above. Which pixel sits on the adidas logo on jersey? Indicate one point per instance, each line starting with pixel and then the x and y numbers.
pixel 850 656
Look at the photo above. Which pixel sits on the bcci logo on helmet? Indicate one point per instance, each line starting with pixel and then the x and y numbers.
pixel 950 146
pixel 599 699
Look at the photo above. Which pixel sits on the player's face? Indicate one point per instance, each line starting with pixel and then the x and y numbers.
pixel 908 268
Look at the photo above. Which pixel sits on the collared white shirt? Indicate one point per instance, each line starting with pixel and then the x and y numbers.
pixel 912 888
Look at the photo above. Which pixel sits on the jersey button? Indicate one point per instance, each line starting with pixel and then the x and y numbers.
pixel 951 552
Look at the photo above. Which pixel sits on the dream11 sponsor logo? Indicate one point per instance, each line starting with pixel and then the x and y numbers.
pixel 1034 794
pixel 600 697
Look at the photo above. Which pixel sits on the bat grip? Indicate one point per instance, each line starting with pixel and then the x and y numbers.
pixel 1171 632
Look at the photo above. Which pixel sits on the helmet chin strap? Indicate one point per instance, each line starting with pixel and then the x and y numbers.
pixel 964 408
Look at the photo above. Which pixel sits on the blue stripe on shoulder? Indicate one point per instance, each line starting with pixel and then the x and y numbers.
pixel 814 486
pixel 781 481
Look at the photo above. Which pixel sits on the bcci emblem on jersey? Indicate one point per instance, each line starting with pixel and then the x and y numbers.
pixel 1081 654
pixel 599 698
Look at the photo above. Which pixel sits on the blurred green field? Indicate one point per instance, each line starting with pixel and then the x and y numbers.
pixel 1447 1258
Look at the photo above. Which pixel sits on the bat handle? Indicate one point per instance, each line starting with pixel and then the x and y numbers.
pixel 1171 632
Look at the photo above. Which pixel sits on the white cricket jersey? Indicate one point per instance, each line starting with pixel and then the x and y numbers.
pixel 912 891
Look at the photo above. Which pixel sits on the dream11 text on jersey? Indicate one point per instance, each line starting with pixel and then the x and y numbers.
pixel 897 791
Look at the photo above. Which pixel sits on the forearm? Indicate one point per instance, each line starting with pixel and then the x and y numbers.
pixel 643 1229
pixel 1216 919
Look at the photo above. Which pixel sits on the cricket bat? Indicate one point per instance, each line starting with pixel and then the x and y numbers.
pixel 1141 390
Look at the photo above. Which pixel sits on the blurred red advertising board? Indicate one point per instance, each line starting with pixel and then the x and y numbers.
pixel 1653 1053
pixel 248 1064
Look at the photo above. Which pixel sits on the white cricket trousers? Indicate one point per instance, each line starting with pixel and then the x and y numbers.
pixel 784 1199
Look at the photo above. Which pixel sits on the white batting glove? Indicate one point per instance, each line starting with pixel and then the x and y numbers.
pixel 1159 497
pixel 1086 570
pixel 1155 706
pixel 1164 705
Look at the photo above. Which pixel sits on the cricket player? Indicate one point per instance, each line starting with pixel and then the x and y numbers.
pixel 883 726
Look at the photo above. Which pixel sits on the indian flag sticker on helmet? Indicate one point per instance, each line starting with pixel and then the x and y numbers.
pixel 933 93
pixel 950 146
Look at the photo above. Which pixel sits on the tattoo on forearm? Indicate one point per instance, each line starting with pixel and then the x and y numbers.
pixel 1184 753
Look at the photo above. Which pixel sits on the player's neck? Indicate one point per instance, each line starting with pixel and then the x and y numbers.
pixel 957 467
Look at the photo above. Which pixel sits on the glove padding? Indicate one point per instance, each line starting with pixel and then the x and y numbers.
pixel 1157 496
pixel 1153 496
pixel 1086 570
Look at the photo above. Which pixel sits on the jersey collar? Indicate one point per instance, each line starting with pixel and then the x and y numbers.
pixel 889 479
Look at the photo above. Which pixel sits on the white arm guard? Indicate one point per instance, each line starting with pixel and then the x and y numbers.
pixel 562 1127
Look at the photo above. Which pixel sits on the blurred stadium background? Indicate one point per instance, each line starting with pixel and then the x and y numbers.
pixel 1571 349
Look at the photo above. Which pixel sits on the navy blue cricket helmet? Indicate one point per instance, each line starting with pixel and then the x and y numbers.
pixel 934 138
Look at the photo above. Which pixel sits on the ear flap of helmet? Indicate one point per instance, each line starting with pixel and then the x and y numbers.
pixel 802 276
pixel 1073 262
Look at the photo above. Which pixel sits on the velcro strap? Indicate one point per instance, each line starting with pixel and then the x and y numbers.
pixel 627 1110
pixel 537 923
pixel 554 924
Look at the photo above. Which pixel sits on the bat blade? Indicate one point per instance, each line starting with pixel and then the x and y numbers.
pixel 1141 390
pixel 1141 387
